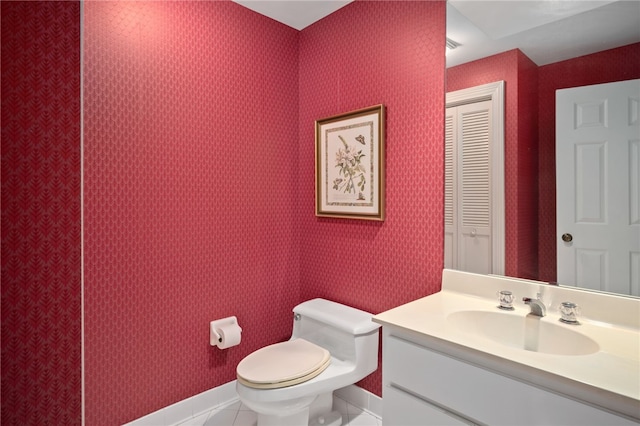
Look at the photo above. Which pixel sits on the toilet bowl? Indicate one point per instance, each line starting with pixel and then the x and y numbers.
pixel 292 382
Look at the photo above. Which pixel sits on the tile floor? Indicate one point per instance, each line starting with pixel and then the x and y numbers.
pixel 236 414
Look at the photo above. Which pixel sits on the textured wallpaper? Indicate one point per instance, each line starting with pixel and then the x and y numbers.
pixel 41 300
pixel 372 53
pixel 191 171
pixel 199 193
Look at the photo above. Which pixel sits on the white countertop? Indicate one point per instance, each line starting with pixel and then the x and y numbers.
pixel 609 378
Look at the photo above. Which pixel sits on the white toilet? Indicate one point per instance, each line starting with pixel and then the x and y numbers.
pixel 292 383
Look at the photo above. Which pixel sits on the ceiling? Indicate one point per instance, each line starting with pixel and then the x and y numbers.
pixel 546 31
pixel 297 14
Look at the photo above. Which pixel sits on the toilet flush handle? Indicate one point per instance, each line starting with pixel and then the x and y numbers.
pixel 297 316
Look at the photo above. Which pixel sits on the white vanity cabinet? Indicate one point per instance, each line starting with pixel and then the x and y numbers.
pixel 455 358
pixel 426 387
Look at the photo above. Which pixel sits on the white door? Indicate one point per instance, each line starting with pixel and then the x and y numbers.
pixel 468 237
pixel 598 186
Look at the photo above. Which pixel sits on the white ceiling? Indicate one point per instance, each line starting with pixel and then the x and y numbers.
pixel 297 14
pixel 546 31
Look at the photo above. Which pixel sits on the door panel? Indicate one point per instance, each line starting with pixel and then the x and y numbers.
pixel 468 237
pixel 598 185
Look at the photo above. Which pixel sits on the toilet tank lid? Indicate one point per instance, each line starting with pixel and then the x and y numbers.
pixel 342 317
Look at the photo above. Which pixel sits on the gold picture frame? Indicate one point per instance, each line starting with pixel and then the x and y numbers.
pixel 350 150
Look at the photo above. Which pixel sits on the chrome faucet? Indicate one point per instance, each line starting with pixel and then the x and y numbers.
pixel 536 305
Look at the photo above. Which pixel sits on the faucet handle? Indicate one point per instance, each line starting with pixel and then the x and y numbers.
pixel 569 312
pixel 505 297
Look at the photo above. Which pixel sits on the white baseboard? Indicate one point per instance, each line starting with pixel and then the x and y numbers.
pixel 226 394
pixel 361 398
pixel 191 407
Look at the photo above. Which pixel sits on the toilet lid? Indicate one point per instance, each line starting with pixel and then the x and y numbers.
pixel 283 364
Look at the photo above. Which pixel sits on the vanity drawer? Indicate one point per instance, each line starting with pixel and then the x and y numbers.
pixel 478 394
pixel 424 373
pixel 402 408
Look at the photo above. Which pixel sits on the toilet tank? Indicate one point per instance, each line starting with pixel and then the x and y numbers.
pixel 342 330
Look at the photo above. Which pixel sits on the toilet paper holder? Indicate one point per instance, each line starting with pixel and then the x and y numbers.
pixel 214 336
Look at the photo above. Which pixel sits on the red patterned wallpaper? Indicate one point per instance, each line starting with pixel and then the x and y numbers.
pixel 519 75
pixel 179 227
pixel 611 65
pixel 370 53
pixel 526 240
pixel 41 296
pixel 191 177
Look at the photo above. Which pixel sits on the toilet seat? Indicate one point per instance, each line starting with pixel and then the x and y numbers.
pixel 283 364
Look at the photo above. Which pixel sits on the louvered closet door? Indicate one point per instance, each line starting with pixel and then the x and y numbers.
pixel 468 188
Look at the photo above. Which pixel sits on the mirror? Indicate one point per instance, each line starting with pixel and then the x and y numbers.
pixel 563 44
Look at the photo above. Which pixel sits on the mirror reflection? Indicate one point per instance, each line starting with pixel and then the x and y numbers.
pixel 538 48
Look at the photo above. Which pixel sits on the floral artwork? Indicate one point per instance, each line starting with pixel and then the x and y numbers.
pixel 352 172
pixel 349 160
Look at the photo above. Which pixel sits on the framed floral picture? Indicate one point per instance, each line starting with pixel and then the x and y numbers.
pixel 350 165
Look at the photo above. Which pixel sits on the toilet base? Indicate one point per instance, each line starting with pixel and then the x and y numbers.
pixel 297 419
pixel 333 418
pixel 310 410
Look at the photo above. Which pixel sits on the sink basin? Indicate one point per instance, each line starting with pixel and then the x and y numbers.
pixel 525 332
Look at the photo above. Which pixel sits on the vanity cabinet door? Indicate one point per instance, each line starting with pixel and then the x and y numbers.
pixel 403 409
pixel 480 395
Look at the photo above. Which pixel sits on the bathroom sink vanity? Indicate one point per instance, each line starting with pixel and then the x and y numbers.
pixel 455 358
